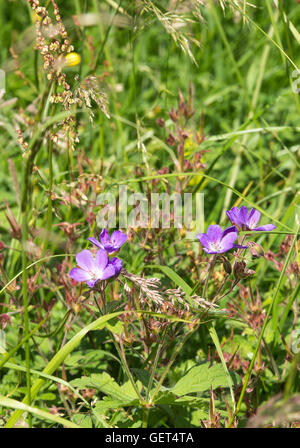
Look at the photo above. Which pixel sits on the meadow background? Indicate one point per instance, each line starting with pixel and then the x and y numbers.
pixel 228 69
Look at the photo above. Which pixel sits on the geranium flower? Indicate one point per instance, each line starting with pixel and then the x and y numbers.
pixel 246 220
pixel 110 243
pixel 117 264
pixel 217 241
pixel 91 269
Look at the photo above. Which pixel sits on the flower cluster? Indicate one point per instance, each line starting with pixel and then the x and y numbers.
pixel 217 241
pixel 92 269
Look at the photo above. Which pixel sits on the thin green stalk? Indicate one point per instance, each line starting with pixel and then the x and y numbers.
pixel 50 186
pixel 8 355
pixel 273 302
pixel 26 313
pixel 30 266
pixel 145 417
pixel 25 208
pixel 170 363
pixel 230 53
pixel 126 367
pixel 292 376
pixel 121 353
pixel 211 268
pixel 154 366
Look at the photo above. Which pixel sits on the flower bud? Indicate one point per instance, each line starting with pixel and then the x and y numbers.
pixel 256 249
pixel 226 265
pixel 5 320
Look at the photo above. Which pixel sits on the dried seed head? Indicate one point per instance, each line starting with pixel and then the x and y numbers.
pixel 240 270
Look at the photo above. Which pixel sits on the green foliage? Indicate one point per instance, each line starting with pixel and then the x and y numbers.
pixel 70 357
pixel 202 378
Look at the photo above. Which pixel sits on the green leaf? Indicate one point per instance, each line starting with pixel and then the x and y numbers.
pixel 203 378
pixel 173 276
pixel 106 404
pixel 106 384
pixel 143 376
pixel 2 342
pixel 47 396
pixel 215 338
pixel 12 366
pixel 84 421
pixel 58 359
pixel 92 357
pixel 115 327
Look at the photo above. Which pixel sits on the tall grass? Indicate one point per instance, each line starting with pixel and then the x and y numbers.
pixel 231 67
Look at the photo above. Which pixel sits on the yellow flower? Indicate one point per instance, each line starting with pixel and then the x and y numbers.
pixel 72 59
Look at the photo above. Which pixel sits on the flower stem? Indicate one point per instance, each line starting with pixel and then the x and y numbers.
pixel 155 364
pixel 211 268
pixel 121 354
pixel 50 187
pixel 26 314
pixel 169 365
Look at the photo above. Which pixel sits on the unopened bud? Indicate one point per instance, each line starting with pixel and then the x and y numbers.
pixel 256 249
pixel 226 265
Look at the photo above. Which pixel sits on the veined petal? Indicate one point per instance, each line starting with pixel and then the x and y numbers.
pixel 80 275
pixel 108 272
pixel 85 260
pixel 96 242
pixel 228 240
pixel 254 217
pixel 214 232
pixel 118 238
pixel 91 283
pixel 229 230
pixel 104 237
pixel 266 227
pixel 243 215
pixel 117 264
pixel 208 251
pixel 101 260
pixel 234 216
pixel 203 238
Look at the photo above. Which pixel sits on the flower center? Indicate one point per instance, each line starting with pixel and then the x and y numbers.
pixel 216 246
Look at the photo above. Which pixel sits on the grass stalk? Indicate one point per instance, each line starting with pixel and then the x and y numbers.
pixel 257 348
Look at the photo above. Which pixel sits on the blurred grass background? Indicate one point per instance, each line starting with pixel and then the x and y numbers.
pixel 243 100
pixel 241 81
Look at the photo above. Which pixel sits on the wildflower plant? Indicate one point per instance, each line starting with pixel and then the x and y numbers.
pixel 145 322
pixel 91 269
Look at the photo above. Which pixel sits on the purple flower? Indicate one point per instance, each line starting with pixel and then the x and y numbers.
pixel 110 243
pixel 217 241
pixel 246 220
pixel 91 269
pixel 117 264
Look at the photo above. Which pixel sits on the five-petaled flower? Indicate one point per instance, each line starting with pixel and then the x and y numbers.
pixel 246 220
pixel 110 243
pixel 217 241
pixel 91 269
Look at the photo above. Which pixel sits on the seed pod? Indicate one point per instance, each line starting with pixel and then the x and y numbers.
pixel 226 265
pixel 240 270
